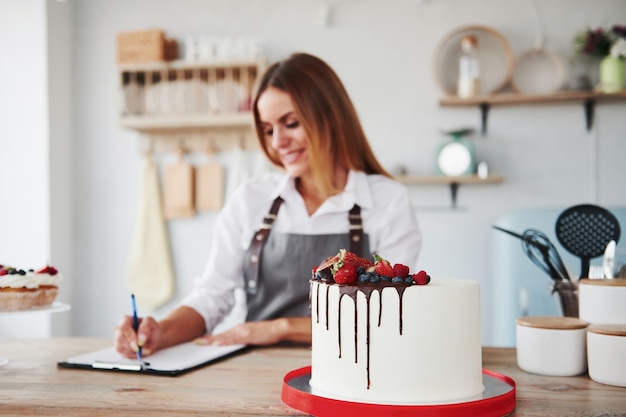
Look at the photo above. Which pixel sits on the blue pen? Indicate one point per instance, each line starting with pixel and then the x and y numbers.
pixel 136 326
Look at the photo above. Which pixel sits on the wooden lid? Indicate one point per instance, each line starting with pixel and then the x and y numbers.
pixel 615 282
pixel 552 322
pixel 609 329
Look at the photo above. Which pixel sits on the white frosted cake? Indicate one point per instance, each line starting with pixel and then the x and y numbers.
pixel 23 290
pixel 396 343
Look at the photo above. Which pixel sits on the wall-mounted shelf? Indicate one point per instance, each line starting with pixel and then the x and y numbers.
pixel 452 182
pixel 588 98
pixel 151 124
pixel 170 100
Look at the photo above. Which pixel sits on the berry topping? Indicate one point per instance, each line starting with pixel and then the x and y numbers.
pixel 345 257
pixel 347 268
pixel 421 278
pixel 50 270
pixel 383 267
pixel 346 274
pixel 401 271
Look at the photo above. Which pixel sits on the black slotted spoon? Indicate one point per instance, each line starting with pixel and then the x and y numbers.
pixel 585 230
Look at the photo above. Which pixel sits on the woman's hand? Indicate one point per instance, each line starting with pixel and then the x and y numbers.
pixel 182 325
pixel 127 342
pixel 262 333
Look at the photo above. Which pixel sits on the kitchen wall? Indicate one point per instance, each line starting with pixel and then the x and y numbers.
pixel 383 51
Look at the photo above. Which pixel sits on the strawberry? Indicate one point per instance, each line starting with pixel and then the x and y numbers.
pixel 345 257
pixel 421 278
pixel 3 271
pixel 383 267
pixel 346 274
pixel 400 270
pixel 50 270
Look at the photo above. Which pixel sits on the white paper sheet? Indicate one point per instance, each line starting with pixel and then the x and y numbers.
pixel 176 358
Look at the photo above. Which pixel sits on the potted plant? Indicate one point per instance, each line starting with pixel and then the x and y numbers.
pixel 608 45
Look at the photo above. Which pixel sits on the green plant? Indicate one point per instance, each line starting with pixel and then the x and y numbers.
pixel 598 42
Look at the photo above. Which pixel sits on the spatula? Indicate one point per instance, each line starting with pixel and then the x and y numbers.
pixel 585 230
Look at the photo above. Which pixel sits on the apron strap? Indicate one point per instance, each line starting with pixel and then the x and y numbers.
pixel 261 235
pixel 258 241
pixel 356 230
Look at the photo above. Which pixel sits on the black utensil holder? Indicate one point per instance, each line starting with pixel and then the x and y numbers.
pixel 568 296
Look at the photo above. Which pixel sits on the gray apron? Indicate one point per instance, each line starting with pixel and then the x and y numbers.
pixel 279 265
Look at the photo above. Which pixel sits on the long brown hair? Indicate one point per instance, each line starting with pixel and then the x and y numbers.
pixel 323 107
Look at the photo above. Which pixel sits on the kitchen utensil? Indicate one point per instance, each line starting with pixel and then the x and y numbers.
pixel 495 57
pixel 585 230
pixel 608 260
pixel 178 195
pixel 209 184
pixel 542 252
pixel 568 297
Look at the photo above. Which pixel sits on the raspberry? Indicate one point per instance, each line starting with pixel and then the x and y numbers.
pixel 346 274
pixel 401 271
pixel 421 278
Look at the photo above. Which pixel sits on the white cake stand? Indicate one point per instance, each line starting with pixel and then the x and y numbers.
pixel 55 307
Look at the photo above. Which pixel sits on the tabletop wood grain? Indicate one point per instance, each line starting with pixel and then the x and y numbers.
pixel 248 384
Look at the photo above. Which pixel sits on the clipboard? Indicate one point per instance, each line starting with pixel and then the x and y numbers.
pixel 172 361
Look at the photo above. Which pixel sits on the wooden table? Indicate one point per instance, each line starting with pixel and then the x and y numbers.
pixel 248 384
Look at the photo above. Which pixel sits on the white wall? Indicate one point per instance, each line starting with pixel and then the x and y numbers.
pixel 35 144
pixel 383 51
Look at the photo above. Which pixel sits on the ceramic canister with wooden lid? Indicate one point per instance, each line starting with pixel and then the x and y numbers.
pixel 606 353
pixel 602 301
pixel 552 345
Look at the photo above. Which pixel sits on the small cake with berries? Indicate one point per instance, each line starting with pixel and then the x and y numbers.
pixel 384 335
pixel 23 290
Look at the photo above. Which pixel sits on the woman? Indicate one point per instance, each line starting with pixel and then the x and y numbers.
pixel 333 184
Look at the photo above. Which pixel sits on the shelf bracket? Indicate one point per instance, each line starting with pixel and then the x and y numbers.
pixel 484 113
pixel 454 188
pixel 590 106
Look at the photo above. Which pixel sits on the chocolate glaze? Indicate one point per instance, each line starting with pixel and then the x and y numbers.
pixel 367 289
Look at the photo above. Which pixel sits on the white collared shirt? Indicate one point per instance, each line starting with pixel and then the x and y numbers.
pixel 388 220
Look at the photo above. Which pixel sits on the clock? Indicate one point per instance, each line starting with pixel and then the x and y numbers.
pixel 456 157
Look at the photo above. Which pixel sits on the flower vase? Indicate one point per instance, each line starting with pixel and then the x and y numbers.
pixel 611 74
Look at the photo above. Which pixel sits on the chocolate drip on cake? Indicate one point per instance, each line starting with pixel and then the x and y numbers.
pixel 317 306
pixel 367 290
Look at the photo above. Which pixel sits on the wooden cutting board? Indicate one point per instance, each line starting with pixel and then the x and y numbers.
pixel 178 186
pixel 209 186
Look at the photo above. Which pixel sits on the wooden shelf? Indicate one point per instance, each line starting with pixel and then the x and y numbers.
pixel 194 100
pixel 518 98
pixel 588 98
pixel 150 124
pixel 452 182
pixel 446 180
pixel 185 65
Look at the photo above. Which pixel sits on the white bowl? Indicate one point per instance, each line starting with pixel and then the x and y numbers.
pixel 551 345
pixel 602 301
pixel 606 354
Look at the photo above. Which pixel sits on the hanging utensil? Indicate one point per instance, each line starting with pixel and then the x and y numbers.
pixel 542 252
pixel 585 230
pixel 608 260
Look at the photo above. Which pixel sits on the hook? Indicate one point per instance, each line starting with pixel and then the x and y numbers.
pixel 211 149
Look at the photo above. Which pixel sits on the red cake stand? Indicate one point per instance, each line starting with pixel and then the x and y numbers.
pixel 498 400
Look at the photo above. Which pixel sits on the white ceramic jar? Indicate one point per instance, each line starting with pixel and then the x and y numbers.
pixel 606 354
pixel 602 301
pixel 551 345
